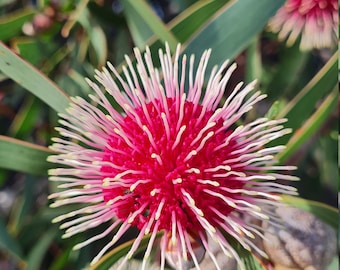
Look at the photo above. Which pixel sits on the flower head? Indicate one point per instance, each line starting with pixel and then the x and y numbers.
pixel 315 20
pixel 168 157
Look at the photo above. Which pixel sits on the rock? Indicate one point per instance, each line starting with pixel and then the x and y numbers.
pixel 305 242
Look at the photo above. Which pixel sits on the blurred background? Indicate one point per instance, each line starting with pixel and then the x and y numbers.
pixel 67 40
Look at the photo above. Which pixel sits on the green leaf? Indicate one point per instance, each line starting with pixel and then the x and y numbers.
pixel 229 32
pixel 25 119
pixel 140 12
pixel 274 110
pixel 96 35
pixel 23 206
pixel 31 79
pixel 250 261
pixel 23 156
pixel 110 258
pixel 248 258
pixel 192 18
pixel 139 30
pixel 291 66
pixel 29 49
pixel 301 107
pixel 39 249
pixel 253 61
pixel 11 24
pixel 324 212
pixel 7 242
pixel 186 24
pixel 310 126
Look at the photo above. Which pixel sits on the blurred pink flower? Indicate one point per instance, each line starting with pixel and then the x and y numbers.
pixel 168 156
pixel 315 20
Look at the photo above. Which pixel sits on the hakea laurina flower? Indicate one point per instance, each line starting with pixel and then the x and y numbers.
pixel 315 20
pixel 171 159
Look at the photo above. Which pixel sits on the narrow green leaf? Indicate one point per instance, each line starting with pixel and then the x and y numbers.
pixel 96 35
pixel 11 24
pixel 31 79
pixel 230 32
pixel 7 242
pixel 155 24
pixel 310 126
pixel 186 24
pixel 62 261
pixel 274 110
pixel 301 107
pixel 292 63
pixel 192 18
pixel 324 212
pixel 23 156
pixel 23 205
pixel 249 259
pixel 25 119
pixel 39 249
pixel 139 30
pixel 253 61
pixel 110 258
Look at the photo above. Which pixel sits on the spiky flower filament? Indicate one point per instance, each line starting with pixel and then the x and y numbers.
pixel 174 161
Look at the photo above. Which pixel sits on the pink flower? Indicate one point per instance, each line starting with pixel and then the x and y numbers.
pixel 168 156
pixel 315 20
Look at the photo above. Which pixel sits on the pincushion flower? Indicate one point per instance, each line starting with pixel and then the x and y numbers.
pixel 169 158
pixel 315 20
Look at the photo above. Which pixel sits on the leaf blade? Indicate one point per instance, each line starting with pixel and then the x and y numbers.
pixel 310 126
pixel 7 242
pixel 302 106
pixel 32 80
pixel 229 33
pixel 150 19
pixel 23 156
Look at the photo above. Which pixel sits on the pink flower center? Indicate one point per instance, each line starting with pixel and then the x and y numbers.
pixel 175 159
